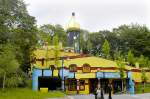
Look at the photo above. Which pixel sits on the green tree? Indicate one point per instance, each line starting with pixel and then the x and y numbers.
pixel 48 31
pixel 144 64
pixel 106 49
pixel 131 58
pixel 135 37
pixel 18 28
pixel 8 62
pixel 121 66
pixel 143 78
pixel 85 43
pixel 57 54
pixel 56 51
pixel 96 39
pixel 143 61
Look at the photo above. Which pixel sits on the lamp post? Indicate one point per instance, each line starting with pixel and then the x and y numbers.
pixel 63 80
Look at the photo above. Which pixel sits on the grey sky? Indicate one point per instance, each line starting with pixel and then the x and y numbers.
pixel 93 15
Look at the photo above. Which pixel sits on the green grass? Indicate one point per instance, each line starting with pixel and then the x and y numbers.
pixel 26 93
pixel 139 88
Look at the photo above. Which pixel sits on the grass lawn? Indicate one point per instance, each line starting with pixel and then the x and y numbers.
pixel 26 93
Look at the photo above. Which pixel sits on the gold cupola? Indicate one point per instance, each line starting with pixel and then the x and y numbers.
pixel 73 24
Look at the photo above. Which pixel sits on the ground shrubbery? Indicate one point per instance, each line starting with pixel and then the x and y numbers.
pixel 139 88
pixel 27 93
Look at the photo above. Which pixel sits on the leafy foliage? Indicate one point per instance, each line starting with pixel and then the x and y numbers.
pixel 106 48
pixel 131 58
pixel 56 51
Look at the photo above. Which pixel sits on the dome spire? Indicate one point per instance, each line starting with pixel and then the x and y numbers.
pixel 73 24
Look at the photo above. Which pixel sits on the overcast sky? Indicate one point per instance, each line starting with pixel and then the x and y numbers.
pixel 93 15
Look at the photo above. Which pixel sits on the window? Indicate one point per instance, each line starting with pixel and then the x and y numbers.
pixel 86 68
pixel 72 84
pixel 73 68
pixel 82 85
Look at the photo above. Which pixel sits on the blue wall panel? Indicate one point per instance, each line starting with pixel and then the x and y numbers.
pixel 36 73
pixel 99 75
pixel 71 75
pixel 112 75
pixel 47 73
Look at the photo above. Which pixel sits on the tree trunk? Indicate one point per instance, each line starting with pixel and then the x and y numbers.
pixel 122 86
pixel 4 78
pixel 143 86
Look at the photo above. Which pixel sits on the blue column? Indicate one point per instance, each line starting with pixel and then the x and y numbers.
pixel 131 83
pixel 36 73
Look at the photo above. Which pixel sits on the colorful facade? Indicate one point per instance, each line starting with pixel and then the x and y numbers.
pixel 77 73
pixel 81 74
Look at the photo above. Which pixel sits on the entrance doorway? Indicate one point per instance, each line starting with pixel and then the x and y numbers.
pixel 104 84
pixel 117 85
pixel 52 83
pixel 93 84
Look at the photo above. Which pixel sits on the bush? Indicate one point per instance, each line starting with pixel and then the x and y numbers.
pixel 139 88
pixel 16 79
pixel 29 83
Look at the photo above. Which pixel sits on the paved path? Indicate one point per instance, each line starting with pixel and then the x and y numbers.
pixel 123 96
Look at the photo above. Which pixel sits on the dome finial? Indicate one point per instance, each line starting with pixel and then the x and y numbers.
pixel 73 14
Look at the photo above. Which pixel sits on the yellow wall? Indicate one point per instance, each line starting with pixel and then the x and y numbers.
pixel 86 91
pixel 85 75
pixel 136 76
pixel 148 76
pixel 55 73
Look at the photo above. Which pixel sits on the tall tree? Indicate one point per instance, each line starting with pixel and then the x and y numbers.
pixel 96 40
pixel 18 28
pixel 135 37
pixel 143 78
pixel 121 66
pixel 48 31
pixel 106 49
pixel 8 62
pixel 131 58
pixel 56 51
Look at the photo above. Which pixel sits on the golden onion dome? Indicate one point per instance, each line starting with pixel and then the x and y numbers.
pixel 73 24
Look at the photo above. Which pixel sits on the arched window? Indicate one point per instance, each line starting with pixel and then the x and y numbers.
pixel 73 68
pixel 86 68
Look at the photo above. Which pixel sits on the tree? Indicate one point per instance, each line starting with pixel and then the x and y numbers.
pixel 56 51
pixel 106 49
pixel 135 37
pixel 8 62
pixel 130 58
pixel 143 61
pixel 18 28
pixel 85 43
pixel 48 31
pixel 57 54
pixel 96 40
pixel 121 66
pixel 143 78
pixel 144 64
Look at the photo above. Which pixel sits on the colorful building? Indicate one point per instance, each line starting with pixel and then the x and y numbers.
pixel 78 73
pixel 81 73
